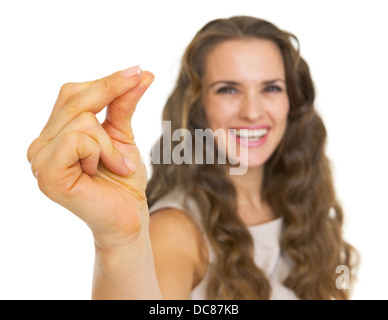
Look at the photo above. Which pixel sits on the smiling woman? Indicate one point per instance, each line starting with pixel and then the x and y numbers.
pixel 244 88
pixel 194 230
pixel 276 230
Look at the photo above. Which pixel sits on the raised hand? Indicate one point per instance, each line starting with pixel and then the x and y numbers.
pixel 96 170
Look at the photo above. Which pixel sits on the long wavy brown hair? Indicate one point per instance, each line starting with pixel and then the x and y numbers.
pixel 297 182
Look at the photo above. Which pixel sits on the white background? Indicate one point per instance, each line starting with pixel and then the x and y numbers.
pixel 45 251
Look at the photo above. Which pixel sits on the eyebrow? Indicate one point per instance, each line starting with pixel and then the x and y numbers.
pixel 234 83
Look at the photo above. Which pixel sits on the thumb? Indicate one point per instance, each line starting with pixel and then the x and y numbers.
pixel 120 111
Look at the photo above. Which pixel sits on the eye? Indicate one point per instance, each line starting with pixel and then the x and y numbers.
pixel 273 89
pixel 226 90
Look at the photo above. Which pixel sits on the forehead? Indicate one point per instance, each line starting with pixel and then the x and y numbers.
pixel 256 59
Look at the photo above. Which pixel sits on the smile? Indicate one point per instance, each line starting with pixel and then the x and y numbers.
pixel 250 138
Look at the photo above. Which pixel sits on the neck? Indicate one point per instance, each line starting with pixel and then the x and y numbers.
pixel 250 206
pixel 248 185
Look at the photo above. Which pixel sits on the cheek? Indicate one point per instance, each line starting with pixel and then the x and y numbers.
pixel 219 113
pixel 279 114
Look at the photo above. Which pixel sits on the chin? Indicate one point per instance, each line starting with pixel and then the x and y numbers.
pixel 252 161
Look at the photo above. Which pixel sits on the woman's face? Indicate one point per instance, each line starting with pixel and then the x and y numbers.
pixel 245 90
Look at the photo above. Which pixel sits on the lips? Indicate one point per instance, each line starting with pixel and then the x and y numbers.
pixel 251 137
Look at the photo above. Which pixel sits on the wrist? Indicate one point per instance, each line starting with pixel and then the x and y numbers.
pixel 113 257
pixel 123 238
pixel 126 271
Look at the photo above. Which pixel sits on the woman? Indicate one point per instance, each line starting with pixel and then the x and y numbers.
pixel 272 232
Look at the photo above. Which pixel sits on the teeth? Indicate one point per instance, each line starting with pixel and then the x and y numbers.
pixel 251 134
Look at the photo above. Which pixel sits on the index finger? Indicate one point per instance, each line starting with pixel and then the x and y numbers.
pixel 67 91
pixel 94 98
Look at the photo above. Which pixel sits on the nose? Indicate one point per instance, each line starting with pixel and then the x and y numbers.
pixel 251 107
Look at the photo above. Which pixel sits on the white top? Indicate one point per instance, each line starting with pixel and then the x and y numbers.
pixel 266 239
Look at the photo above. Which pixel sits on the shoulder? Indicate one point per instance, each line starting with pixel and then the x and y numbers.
pixel 179 251
pixel 177 229
pixel 177 207
pixel 168 215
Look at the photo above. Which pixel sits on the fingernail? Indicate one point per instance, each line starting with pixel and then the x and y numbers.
pixel 130 165
pixel 131 72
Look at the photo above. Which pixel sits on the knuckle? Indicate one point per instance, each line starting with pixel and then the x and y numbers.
pixel 88 123
pixel 37 165
pixel 87 119
pixel 67 89
pixel 43 182
pixel 37 155
pixel 106 85
pixel 96 149
pixel 109 86
pixel 70 138
pixel 73 103
pixel 34 168
pixel 40 171
pixel 31 150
